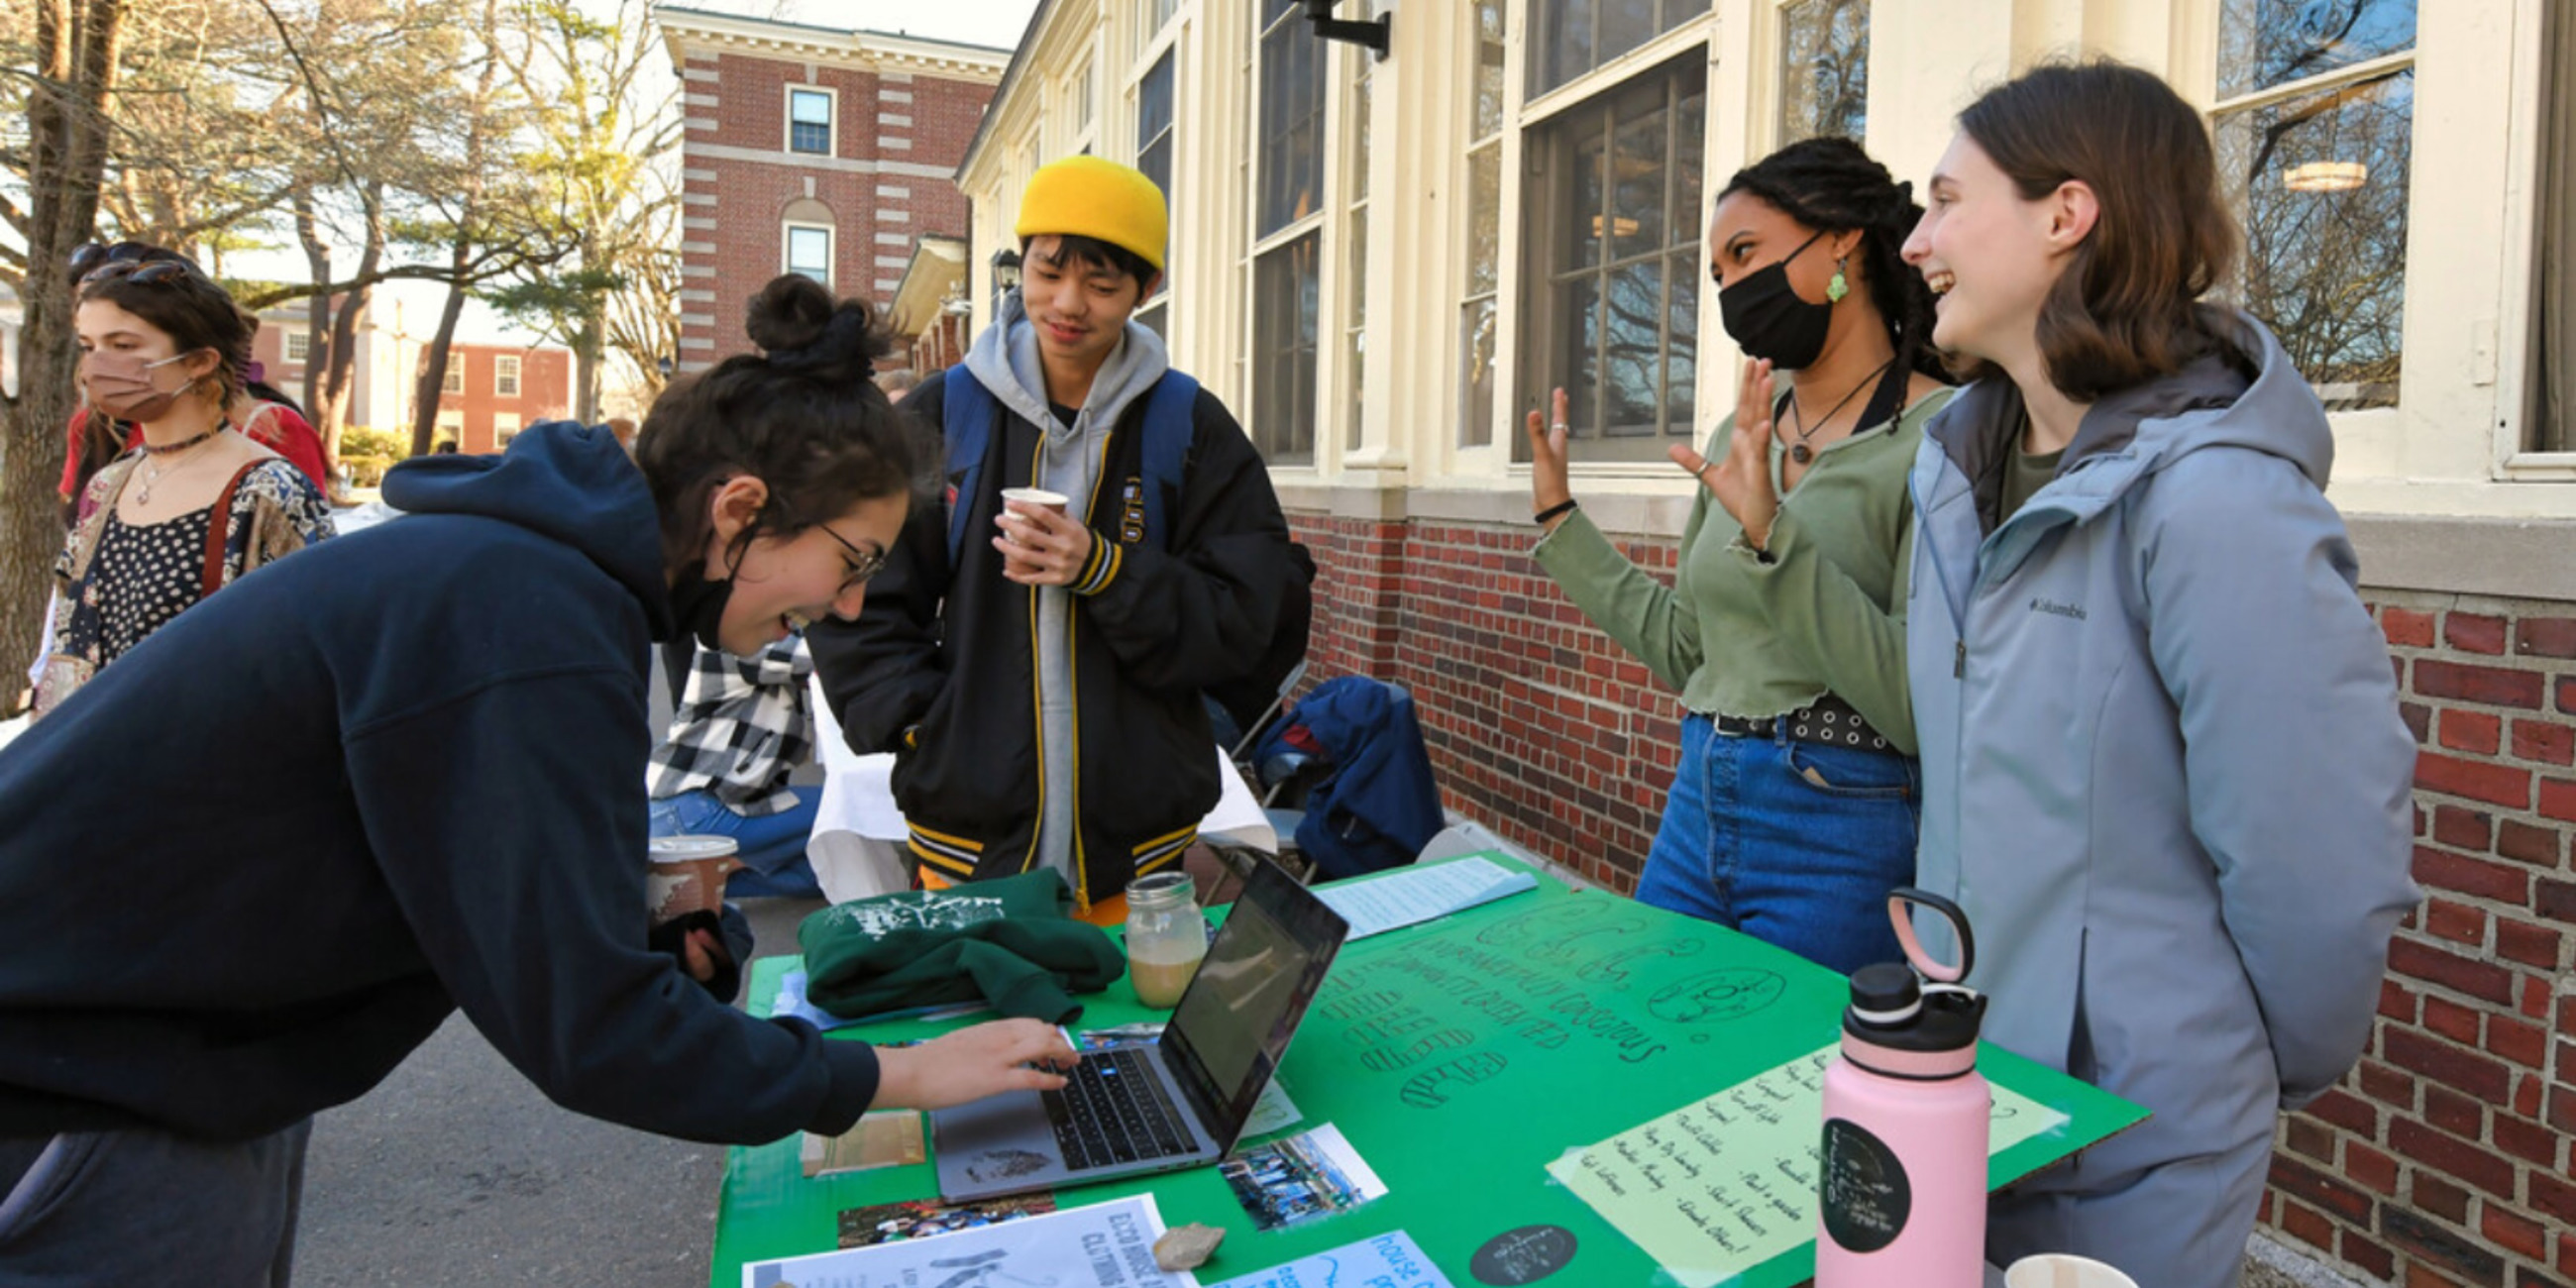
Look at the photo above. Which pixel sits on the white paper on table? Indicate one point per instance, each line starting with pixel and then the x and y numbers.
pixel 1049 1249
pixel 1417 894
pixel 1389 1259
pixel 858 791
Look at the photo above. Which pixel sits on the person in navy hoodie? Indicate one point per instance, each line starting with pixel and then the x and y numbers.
pixel 403 774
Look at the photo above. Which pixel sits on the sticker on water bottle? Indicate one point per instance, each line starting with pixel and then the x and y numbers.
pixel 1866 1198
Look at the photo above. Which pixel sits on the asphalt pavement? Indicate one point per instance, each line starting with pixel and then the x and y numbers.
pixel 457 1171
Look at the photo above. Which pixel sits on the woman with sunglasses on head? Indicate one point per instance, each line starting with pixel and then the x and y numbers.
pixel 195 505
pixel 2164 769
pixel 402 774
pixel 1793 811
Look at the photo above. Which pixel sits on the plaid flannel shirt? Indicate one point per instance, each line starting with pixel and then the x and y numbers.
pixel 741 726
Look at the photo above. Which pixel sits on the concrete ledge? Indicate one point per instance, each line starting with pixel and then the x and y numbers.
pixel 2510 558
pixel 1652 517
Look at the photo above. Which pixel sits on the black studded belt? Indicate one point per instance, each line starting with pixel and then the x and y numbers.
pixel 1829 721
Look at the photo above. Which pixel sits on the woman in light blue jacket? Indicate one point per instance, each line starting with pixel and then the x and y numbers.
pixel 2164 771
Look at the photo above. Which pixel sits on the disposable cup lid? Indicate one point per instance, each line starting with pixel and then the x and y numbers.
pixel 683 849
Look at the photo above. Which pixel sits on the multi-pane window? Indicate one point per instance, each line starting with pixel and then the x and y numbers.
pixel 1824 69
pixel 2314 127
pixel 454 381
pixel 505 376
pixel 1355 235
pixel 1287 232
pixel 299 345
pixel 1154 123
pixel 1572 37
pixel 809 251
pixel 1477 310
pixel 809 122
pixel 1615 203
pixel 1151 17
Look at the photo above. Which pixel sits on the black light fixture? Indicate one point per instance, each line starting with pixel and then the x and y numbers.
pixel 1006 271
pixel 1375 33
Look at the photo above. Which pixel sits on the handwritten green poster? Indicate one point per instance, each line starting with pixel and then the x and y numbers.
pixel 1715 1188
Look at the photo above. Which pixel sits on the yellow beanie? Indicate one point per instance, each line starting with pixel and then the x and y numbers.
pixel 1097 198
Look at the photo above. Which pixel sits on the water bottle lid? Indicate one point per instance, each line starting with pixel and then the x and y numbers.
pixel 1885 994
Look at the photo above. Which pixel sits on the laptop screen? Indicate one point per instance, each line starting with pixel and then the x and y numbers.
pixel 1233 1025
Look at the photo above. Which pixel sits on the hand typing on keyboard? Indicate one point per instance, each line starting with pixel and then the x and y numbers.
pixel 972 1063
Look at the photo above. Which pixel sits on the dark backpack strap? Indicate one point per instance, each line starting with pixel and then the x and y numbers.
pixel 1171 416
pixel 219 530
pixel 966 412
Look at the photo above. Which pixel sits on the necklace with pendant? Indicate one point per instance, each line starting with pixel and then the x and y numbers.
pixel 153 472
pixel 1799 451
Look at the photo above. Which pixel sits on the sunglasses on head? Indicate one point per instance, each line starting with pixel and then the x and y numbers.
pixel 95 261
pixel 160 270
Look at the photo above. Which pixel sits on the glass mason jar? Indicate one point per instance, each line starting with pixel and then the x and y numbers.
pixel 1166 937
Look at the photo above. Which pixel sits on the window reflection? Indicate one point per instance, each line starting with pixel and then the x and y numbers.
pixel 1824 69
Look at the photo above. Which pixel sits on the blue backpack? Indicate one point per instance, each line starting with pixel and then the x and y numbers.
pixel 966 414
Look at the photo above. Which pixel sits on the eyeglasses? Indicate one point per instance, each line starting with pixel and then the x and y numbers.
pixel 159 270
pixel 863 563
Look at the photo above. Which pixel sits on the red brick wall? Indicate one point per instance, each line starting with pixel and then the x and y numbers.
pixel 2443 1159
pixel 750 197
pixel 545 391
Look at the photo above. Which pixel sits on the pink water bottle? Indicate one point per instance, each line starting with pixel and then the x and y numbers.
pixel 1902 1186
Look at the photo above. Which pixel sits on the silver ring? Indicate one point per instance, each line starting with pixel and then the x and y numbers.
pixel 1557 428
pixel 1705 466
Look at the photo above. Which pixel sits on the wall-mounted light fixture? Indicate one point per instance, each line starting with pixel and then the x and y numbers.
pixel 1375 33
pixel 1006 272
pixel 2325 176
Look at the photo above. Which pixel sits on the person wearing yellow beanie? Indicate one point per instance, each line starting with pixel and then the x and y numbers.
pixel 1037 669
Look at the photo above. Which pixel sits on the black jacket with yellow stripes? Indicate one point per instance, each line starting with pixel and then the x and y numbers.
pixel 941 666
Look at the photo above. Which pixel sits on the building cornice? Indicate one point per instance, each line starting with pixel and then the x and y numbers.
pixel 688 30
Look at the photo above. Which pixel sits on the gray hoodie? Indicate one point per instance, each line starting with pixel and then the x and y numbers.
pixel 1005 361
pixel 2164 771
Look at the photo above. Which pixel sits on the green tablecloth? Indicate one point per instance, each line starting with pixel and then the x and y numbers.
pixel 1459 1057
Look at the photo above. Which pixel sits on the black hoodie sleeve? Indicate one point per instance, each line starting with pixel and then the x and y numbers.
pixel 1202 612
pixel 509 820
pixel 881 671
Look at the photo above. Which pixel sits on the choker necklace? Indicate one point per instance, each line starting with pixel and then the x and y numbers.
pixel 182 445
pixel 1799 451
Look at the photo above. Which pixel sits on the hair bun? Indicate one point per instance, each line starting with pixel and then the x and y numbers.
pixel 788 314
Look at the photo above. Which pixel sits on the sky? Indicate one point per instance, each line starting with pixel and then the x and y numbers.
pixel 997 23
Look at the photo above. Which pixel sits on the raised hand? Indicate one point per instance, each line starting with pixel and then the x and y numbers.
pixel 1548 486
pixel 1742 479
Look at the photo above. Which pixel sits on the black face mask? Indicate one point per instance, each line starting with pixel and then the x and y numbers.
pixel 1768 320
pixel 697 605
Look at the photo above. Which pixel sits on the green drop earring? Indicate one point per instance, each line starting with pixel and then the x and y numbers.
pixel 1836 289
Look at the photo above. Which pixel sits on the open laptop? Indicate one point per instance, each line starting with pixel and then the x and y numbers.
pixel 1178 1102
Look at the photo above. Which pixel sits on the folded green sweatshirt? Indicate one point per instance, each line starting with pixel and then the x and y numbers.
pixel 1010 943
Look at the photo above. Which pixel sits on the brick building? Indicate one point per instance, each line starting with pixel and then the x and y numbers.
pixel 1374 261
pixel 491 389
pixel 812 150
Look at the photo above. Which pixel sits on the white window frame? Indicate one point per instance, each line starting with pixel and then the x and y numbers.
pixel 299 346
pixel 505 426
pixel 2527 71
pixel 1258 246
pixel 1157 43
pixel 453 382
pixel 787 119
pixel 787 230
pixel 505 375
pixel 1773 102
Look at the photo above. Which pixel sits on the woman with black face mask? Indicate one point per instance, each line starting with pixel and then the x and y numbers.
pixel 1794 807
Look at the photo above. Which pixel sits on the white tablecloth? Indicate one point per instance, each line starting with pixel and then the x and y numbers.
pixel 858 844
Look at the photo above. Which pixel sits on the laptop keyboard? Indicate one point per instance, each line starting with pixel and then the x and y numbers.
pixel 1113 1109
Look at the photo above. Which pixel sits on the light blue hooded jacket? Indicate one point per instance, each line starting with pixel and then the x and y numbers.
pixel 2164 771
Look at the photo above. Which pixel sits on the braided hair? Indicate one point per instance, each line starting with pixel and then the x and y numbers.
pixel 1831 185
pixel 803 416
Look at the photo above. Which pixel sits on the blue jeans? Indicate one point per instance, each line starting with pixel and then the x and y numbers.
pixel 136 1205
pixel 1793 843
pixel 772 845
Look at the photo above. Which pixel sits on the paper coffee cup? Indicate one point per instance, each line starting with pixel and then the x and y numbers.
pixel 1036 496
pixel 687 874
pixel 2059 1270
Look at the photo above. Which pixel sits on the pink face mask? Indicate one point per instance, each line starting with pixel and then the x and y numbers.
pixel 120 384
